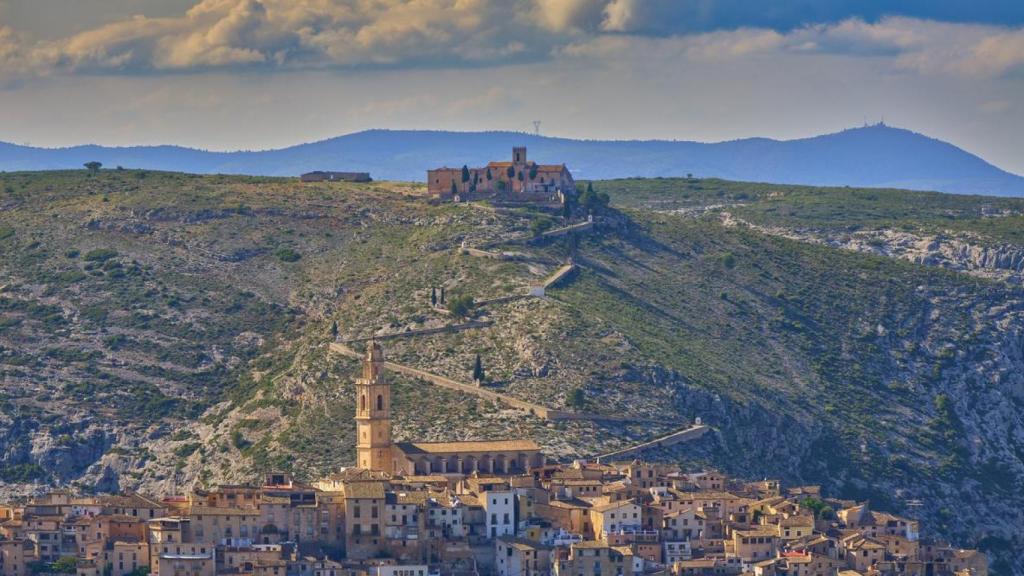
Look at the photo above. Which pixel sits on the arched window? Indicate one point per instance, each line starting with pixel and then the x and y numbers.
pixel 380 402
pixel 362 403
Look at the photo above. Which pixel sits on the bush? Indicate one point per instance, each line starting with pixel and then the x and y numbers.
pixel 461 306
pixel 540 226
pixel 238 440
pixel 100 255
pixel 22 473
pixel 186 450
pixel 287 255
pixel 66 565
pixel 6 232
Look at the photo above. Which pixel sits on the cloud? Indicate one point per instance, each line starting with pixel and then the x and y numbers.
pixel 310 34
pixel 922 46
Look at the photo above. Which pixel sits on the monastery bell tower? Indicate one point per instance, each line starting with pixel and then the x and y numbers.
pixel 373 414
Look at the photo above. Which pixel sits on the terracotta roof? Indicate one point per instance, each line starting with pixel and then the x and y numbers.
pixel 364 490
pixel 226 511
pixel 467 447
pixel 524 544
pixel 612 505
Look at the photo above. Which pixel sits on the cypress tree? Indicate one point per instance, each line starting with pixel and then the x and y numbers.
pixel 455 189
pixel 478 370
pixel 465 173
pixel 433 296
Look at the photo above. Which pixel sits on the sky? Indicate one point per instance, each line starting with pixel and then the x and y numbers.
pixel 257 74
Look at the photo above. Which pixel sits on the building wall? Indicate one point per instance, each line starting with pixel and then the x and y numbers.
pixel 500 507
pixel 364 527
pixel 124 557
pixel 13 558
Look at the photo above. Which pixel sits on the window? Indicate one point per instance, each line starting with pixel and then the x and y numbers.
pixel 380 401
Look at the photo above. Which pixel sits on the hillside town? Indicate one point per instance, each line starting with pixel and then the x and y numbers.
pixel 471 508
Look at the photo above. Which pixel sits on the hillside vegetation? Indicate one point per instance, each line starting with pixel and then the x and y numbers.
pixel 161 329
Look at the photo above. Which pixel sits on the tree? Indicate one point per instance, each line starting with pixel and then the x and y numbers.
pixel 520 176
pixel 93 166
pixel 511 172
pixel 66 565
pixel 442 294
pixel 334 330
pixel 433 296
pixel 592 200
pixel 478 370
pixel 455 189
pixel 465 173
pixel 489 177
pixel 533 172
pixel 576 398
pixel 461 306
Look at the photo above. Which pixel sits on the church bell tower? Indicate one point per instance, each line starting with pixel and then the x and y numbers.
pixel 373 414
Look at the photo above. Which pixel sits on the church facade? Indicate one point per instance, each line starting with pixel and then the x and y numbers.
pixel 376 451
pixel 521 179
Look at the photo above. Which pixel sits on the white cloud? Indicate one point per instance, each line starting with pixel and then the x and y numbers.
pixel 304 34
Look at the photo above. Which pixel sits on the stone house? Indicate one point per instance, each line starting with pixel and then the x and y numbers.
pixel 520 179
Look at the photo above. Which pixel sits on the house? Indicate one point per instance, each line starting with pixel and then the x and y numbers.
pixel 521 557
pixel 598 559
pixel 320 176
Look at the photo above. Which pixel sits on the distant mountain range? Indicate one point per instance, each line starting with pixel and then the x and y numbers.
pixel 872 156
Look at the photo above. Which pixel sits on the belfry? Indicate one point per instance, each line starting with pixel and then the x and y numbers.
pixel 375 450
pixel 373 414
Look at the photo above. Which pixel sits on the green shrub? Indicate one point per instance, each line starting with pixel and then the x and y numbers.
pixel 461 306
pixel 287 255
pixel 6 232
pixel 100 255
pixel 186 450
pixel 22 473
pixel 66 565
pixel 238 440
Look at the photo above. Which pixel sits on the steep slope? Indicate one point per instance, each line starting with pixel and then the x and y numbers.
pixel 197 353
pixel 874 156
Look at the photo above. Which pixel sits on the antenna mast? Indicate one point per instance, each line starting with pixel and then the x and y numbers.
pixel 536 127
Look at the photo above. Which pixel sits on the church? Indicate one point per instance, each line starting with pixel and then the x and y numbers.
pixel 376 451
pixel 519 180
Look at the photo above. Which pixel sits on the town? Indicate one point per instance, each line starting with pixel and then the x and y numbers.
pixel 471 508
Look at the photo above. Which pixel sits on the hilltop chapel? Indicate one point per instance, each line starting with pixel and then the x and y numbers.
pixel 376 451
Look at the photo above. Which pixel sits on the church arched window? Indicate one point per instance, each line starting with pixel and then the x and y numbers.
pixel 380 402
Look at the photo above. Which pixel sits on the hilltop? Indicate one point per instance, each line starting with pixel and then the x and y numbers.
pixel 876 156
pixel 164 329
